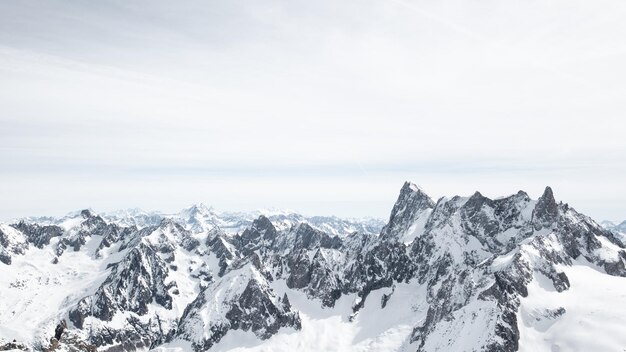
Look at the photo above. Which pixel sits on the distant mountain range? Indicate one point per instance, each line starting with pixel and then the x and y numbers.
pixel 456 274
pixel 609 225
pixel 199 218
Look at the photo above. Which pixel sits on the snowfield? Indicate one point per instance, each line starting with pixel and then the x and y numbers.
pixel 36 294
pixel 460 274
pixel 594 317
pixel 330 329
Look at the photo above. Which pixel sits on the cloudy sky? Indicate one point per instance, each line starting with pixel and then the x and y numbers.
pixel 325 107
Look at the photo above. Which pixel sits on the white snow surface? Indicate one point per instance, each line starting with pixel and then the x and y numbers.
pixel 374 329
pixel 594 317
pixel 33 290
pixel 589 316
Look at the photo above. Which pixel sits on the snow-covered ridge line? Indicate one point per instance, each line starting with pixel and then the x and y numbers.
pixel 619 229
pixel 199 217
pixel 461 273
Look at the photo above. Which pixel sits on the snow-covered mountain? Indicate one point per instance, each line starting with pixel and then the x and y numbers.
pixel 201 218
pixel 458 274
pixel 619 229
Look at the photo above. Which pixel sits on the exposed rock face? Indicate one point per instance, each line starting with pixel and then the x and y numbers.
pixel 261 233
pixel 485 219
pixel 39 236
pixel 256 307
pixel 12 242
pixel 546 211
pixel 411 202
pixel 114 235
pixel 300 270
pixel 225 250
pixel 133 284
pixel 12 346
pixel 474 257
pixel 249 304
pixel 309 238
pixel 5 257
pixel 58 331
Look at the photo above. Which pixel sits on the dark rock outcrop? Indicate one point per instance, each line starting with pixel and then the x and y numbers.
pixel 39 236
pixel 411 202
pixel 135 282
pixel 472 258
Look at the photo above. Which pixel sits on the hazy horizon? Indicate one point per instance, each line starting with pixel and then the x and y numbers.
pixel 253 208
pixel 325 108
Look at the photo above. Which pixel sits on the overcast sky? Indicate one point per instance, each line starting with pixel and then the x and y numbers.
pixel 325 107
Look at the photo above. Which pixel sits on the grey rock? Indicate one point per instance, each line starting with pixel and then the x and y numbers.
pixel 546 210
pixel 39 236
pixel 135 282
pixel 411 202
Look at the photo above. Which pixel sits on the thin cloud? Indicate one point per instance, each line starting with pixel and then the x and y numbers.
pixel 322 106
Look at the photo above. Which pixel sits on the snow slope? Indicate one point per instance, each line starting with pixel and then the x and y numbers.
pixel 593 318
pixel 374 329
pixel 460 274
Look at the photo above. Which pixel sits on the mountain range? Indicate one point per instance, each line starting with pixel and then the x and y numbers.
pixel 457 274
pixel 618 228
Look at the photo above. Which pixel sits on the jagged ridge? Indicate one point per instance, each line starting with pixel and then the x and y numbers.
pixel 191 280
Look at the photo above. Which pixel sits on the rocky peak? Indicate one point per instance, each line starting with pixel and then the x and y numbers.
pixel 38 235
pixel 259 310
pixel 470 259
pixel 476 202
pixel 214 233
pixel 621 227
pixel 486 219
pixel 196 211
pixel 411 202
pixel 308 237
pixel 548 195
pixel 198 217
pixel 248 303
pixel 132 285
pixel 87 213
pixel 12 240
pixel 263 226
pixel 546 210
pixel 169 233
pixel 261 230
pixel 478 220
pixel 200 208
pixel 171 224
pixel 93 224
